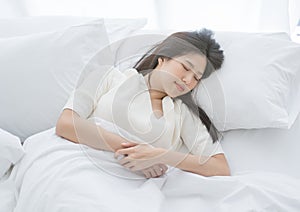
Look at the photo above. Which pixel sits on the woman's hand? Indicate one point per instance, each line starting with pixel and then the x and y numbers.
pixel 156 170
pixel 139 156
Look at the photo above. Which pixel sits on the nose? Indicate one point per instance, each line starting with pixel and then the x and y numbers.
pixel 187 78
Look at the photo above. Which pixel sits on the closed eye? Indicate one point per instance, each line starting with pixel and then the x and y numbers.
pixel 187 69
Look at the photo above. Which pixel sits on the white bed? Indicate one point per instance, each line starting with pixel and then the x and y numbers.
pixel 56 175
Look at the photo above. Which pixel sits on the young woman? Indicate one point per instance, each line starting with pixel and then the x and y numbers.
pixel 153 102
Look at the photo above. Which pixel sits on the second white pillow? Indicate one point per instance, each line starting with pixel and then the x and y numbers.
pixel 258 85
pixel 39 71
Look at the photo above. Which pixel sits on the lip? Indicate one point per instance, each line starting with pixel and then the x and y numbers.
pixel 179 87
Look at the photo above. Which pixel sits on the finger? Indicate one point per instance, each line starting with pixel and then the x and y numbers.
pixel 129 165
pixel 163 167
pixel 119 156
pixel 124 151
pixel 128 144
pixel 158 171
pixel 152 172
pixel 146 173
pixel 137 166
pixel 124 160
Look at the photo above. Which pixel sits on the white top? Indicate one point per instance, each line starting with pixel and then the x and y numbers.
pixel 123 99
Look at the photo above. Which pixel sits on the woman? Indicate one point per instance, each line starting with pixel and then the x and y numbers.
pixel 156 106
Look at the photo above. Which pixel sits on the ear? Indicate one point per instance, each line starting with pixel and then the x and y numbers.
pixel 160 60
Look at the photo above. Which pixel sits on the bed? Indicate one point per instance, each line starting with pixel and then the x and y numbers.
pixel 43 59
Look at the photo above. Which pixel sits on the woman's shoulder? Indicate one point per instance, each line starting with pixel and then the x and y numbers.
pixel 116 75
pixel 130 72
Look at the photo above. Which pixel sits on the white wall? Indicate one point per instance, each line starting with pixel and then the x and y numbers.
pixel 11 8
pixel 236 15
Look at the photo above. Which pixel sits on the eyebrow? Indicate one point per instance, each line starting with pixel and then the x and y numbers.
pixel 192 65
pixel 189 62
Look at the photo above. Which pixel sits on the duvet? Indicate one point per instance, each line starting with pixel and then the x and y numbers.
pixel 56 175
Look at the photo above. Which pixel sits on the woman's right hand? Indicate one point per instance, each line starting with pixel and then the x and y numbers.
pixel 156 170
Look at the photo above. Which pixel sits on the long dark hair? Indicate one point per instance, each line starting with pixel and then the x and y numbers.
pixel 181 43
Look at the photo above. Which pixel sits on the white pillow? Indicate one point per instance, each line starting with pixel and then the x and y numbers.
pixel 140 41
pixel 258 85
pixel 135 46
pixel 11 151
pixel 117 29
pixel 38 72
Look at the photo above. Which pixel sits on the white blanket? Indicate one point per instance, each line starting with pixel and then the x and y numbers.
pixel 7 194
pixel 59 176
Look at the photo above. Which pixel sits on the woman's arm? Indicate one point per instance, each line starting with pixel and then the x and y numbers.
pixel 215 165
pixel 144 155
pixel 79 130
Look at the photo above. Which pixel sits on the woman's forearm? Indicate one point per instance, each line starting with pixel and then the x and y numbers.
pixel 144 155
pixel 79 130
pixel 202 165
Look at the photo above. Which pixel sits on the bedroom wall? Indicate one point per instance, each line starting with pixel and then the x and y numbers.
pixel 234 15
pixel 12 8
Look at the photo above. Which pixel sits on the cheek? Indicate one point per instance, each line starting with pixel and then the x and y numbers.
pixel 173 75
pixel 175 71
pixel 193 85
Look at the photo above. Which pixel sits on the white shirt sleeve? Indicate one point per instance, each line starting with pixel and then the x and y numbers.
pixel 83 100
pixel 195 135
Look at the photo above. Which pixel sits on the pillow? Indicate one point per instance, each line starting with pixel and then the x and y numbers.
pixel 11 151
pixel 258 85
pixel 134 46
pixel 38 72
pixel 117 29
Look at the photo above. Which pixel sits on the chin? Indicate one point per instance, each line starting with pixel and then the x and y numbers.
pixel 175 95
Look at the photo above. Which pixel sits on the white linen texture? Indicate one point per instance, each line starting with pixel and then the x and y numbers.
pixel 62 176
pixel 42 59
pixel 11 151
pixel 40 70
pixel 258 85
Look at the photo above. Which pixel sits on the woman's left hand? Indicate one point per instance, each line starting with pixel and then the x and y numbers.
pixel 139 156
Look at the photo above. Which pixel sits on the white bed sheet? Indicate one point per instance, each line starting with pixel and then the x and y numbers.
pixel 272 150
pixel 7 194
pixel 56 175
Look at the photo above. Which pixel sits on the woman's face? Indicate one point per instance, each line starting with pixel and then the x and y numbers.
pixel 179 75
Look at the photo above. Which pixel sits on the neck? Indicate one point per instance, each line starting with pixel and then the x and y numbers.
pixel 154 93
